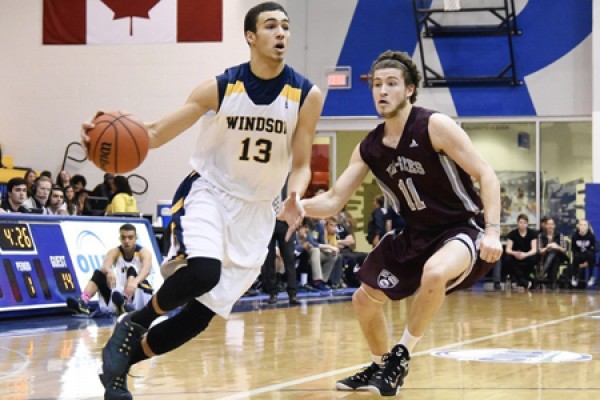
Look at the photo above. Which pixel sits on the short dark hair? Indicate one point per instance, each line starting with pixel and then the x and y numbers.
pixel 523 216
pixel 253 13
pixel 128 227
pixel 15 182
pixel 75 179
pixel 399 60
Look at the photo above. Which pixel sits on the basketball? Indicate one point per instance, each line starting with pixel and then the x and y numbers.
pixel 118 142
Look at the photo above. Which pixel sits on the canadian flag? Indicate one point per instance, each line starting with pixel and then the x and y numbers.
pixel 132 21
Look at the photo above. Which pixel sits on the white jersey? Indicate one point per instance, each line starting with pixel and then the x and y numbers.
pixel 244 148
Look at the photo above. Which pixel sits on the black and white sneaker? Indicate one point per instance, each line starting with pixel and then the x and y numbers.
pixel 78 305
pixel 390 378
pixel 358 381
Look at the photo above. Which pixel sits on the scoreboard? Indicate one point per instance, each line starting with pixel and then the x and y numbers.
pixel 46 258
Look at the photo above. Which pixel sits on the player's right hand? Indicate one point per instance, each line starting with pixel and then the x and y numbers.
pixel 85 127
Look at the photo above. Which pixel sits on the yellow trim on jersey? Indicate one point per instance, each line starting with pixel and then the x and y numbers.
pixel 177 206
pixel 291 93
pixel 237 87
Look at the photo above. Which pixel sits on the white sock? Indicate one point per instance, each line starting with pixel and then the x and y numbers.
pixel 409 341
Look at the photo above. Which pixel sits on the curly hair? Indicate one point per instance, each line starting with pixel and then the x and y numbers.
pixel 402 61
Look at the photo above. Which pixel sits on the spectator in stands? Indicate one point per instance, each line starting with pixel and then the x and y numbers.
pixel 302 251
pixel 323 260
pixel 63 179
pixel 40 192
pixel 376 227
pixel 47 174
pixel 123 200
pixel 553 251
pixel 349 259
pixel 583 245
pixel 121 282
pixel 16 196
pixel 79 183
pixel 520 256
pixel 393 220
pixel 106 188
pixel 30 177
pixel 331 250
pixel 286 251
pixel 70 205
pixel 56 202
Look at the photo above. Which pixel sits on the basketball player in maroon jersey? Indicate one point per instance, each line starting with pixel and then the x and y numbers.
pixel 424 163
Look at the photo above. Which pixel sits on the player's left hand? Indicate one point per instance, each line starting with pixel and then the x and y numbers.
pixel 292 213
pixel 491 248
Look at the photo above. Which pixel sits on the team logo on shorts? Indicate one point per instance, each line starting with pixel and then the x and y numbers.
pixel 387 280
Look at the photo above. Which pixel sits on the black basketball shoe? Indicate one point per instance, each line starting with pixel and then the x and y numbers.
pixel 358 381
pixel 116 352
pixel 78 305
pixel 115 388
pixel 390 378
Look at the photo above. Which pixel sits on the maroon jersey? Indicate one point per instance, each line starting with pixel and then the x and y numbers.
pixel 426 187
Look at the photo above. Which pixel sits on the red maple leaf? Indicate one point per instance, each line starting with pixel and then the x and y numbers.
pixel 131 8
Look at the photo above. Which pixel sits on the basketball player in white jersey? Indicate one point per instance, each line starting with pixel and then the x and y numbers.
pixel 121 282
pixel 258 122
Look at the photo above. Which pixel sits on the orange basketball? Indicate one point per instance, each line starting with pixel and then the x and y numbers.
pixel 118 142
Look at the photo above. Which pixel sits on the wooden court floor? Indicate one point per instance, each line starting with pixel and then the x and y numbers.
pixel 539 345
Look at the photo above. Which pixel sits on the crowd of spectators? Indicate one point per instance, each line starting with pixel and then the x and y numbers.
pixel 548 258
pixel 67 195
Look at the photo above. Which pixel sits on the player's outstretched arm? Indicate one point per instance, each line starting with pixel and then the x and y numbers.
pixel 332 201
pixel 205 97
pixel 449 138
pixel 299 178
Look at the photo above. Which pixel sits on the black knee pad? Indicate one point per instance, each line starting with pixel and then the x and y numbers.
pixel 200 276
pixel 177 330
pixel 101 282
pixel 131 272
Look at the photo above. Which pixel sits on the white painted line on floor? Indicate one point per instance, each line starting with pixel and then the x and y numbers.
pixel 354 368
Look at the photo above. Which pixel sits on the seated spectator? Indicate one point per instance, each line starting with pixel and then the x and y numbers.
pixel 16 196
pixel 123 200
pixel 302 250
pixel 78 182
pixel 349 260
pixel 323 256
pixel 553 251
pixel 63 179
pixel 520 256
pixel 330 250
pixel 30 177
pixel 376 227
pixel 56 201
pixel 40 192
pixel 106 188
pixel 583 245
pixel 70 205
pixel 122 280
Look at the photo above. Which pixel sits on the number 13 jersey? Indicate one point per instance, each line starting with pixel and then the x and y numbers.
pixel 245 147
